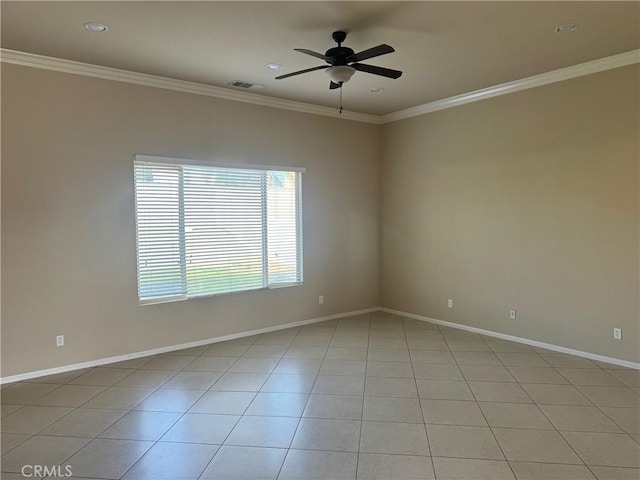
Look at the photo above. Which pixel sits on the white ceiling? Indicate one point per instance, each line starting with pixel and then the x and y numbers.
pixel 443 48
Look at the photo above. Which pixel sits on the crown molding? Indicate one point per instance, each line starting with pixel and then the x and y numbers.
pixel 78 68
pixel 582 69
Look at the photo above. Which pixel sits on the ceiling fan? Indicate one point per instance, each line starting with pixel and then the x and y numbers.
pixel 343 62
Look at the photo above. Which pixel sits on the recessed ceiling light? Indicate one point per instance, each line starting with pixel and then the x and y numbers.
pixel 376 90
pixel 96 27
pixel 566 28
pixel 274 66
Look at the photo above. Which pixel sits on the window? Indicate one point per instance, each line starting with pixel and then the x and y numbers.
pixel 206 229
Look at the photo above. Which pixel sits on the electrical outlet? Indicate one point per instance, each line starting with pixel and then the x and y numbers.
pixel 617 333
pixel 450 303
pixel 512 314
pixel 321 299
pixel 60 341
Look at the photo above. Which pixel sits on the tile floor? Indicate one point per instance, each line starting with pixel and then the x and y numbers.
pixel 373 396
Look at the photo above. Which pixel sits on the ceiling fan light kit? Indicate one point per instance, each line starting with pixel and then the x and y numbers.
pixel 340 73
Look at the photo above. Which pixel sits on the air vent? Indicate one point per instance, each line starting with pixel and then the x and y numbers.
pixel 244 85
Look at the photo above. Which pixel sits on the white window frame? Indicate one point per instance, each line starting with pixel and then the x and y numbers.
pixel 160 160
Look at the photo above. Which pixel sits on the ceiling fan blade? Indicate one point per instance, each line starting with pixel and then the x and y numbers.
pixel 316 54
pixel 334 85
pixel 301 71
pixel 370 53
pixel 384 72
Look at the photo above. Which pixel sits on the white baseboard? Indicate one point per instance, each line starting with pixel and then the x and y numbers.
pixel 172 348
pixel 526 341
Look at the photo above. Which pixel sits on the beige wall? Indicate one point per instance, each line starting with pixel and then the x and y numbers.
pixel 68 247
pixel 526 201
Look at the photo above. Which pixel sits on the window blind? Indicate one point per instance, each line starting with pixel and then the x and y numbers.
pixel 203 229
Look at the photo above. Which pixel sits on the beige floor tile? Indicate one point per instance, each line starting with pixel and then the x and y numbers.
pixel 452 412
pixel 390 387
pixel 132 363
pixel 201 428
pixel 40 450
pixel 567 361
pixel 629 377
pixel 334 406
pixel 109 459
pixel 141 426
pixel 25 393
pixel 119 398
pixel 505 346
pixel 381 342
pixel 103 376
pixel 274 432
pixel 550 471
pixel 444 390
pixel 240 382
pixel 468 346
pixel 627 418
pixel 243 463
pixel 224 350
pixel 191 351
pixel 425 334
pixel 384 467
pixel 8 441
pixel 339 385
pixel 343 367
pixel 7 409
pixel 278 404
pixel 427 344
pixel 388 355
pixel 538 375
pixel 349 341
pixel 327 434
pixel 616 473
pixel 394 438
pixel 168 362
pixel 289 383
pixel 389 369
pixel 605 449
pixel 168 400
pixel 542 446
pixel 312 465
pixel 224 403
pixel 516 359
pixel 436 371
pixel 84 422
pixel 171 461
pixel 555 394
pixel 346 353
pixel 306 352
pixel 385 409
pixel 589 376
pixel 515 415
pixel 301 366
pixel 146 378
pixel 470 469
pixel 69 396
pixel 386 333
pixel 432 356
pixel 611 396
pixel 32 419
pixel 579 418
pixel 486 373
pixel 193 380
pixel 463 442
pixel 210 364
pixel 60 378
pixel 499 392
pixel 265 351
pixel 476 358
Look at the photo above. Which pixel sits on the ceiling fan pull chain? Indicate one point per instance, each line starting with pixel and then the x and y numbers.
pixel 340 98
